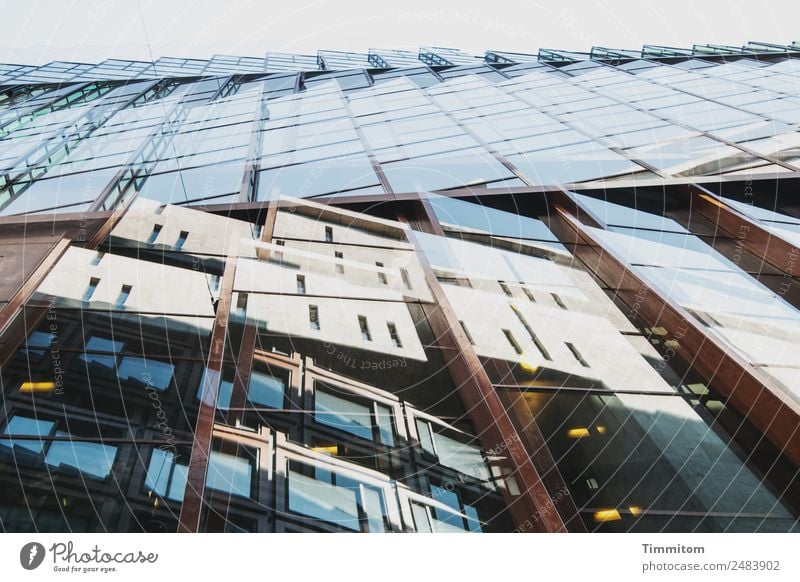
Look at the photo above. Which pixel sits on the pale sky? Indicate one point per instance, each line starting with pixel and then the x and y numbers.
pixel 92 30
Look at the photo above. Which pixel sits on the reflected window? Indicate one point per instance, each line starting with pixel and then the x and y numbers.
pixel 122 298
pixel 313 317
pixel 90 289
pixel 381 274
pixel 100 344
pixel 147 371
pixel 232 474
pixel 364 326
pixel 394 335
pixel 165 477
pixel 267 389
pixel 451 452
pixel 301 285
pixel 181 240
pixel 154 234
pixel 366 419
pixel 325 495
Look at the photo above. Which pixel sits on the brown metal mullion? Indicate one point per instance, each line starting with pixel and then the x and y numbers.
pixel 191 509
pixel 754 396
pixel 532 509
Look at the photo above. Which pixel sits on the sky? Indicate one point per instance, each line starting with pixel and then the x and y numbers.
pixel 38 31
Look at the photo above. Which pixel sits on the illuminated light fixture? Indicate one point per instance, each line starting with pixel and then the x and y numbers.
pixel 527 363
pixel 37 387
pixel 329 450
pixel 64 501
pixel 601 429
pixel 578 433
pixel 635 509
pixel 607 515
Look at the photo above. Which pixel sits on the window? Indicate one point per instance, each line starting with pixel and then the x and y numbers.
pixel 466 332
pixel 241 304
pixel 450 451
pixel 365 418
pixel 149 372
pixel 124 293
pixel 393 334
pixel 154 234
pixel 362 323
pixel 577 354
pixel 97 258
pixel 267 389
pixel 279 254
pixel 505 288
pixel 327 496
pixel 231 474
pixel 529 294
pixel 406 279
pixel 165 477
pixel 328 234
pixel 381 274
pixel 181 241
pixel 558 300
pixel 301 285
pixel 339 266
pixel 534 338
pixel 90 289
pixel 512 341
pixel 313 317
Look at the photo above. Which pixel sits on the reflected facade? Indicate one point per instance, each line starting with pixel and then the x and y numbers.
pixel 402 292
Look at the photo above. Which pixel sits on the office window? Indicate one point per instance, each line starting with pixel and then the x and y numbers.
pixel 124 293
pixel 528 294
pixel 466 332
pixel 90 289
pixel 267 388
pixel 301 285
pixel 534 338
pixel 362 323
pixel 181 240
pixel 313 317
pixel 97 258
pixel 406 278
pixel 577 354
pixel 328 234
pixel 364 418
pixel 339 266
pixel 154 234
pixel 322 494
pixel 558 300
pixel 241 304
pixel 512 340
pixel 393 334
pixel 381 275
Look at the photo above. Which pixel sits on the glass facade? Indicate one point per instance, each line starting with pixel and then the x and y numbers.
pixel 402 291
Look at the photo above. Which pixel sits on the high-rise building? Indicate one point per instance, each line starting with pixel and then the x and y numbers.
pixel 402 291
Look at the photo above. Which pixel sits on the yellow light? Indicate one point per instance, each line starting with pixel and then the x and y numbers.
pixel 635 509
pixel 37 387
pixel 527 363
pixel 329 450
pixel 607 515
pixel 577 433
pixel 601 429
